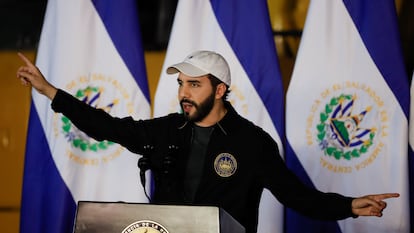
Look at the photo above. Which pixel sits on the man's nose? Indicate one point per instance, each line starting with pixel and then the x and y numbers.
pixel 183 92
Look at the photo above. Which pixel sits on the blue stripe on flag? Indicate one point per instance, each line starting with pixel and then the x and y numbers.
pixel 375 35
pixel 119 24
pixel 47 205
pixel 257 54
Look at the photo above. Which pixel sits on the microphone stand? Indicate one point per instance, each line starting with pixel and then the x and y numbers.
pixel 144 164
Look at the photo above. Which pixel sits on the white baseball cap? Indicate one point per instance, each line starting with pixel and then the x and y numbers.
pixel 200 63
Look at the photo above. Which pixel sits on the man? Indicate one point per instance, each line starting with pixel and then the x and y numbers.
pixel 209 154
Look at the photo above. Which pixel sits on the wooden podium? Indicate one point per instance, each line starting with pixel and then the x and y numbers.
pixel 120 217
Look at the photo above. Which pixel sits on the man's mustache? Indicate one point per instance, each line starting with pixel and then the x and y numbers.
pixel 188 101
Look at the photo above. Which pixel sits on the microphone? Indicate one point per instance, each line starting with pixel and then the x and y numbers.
pixel 144 164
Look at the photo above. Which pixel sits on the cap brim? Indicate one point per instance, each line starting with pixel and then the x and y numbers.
pixel 187 69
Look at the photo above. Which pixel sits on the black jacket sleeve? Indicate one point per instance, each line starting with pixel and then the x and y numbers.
pixel 100 125
pixel 293 193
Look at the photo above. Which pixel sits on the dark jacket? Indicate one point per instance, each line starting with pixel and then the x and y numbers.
pixel 241 160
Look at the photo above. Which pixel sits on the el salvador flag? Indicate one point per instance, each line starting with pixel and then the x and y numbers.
pixel 241 32
pixel 347 112
pixel 91 49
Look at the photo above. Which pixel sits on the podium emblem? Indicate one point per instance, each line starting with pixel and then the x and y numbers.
pixel 145 226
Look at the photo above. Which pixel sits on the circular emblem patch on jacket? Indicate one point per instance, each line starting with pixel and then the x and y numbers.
pixel 225 165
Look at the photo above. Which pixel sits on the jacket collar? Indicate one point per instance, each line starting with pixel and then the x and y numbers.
pixel 230 121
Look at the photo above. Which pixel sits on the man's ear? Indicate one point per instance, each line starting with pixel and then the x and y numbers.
pixel 220 90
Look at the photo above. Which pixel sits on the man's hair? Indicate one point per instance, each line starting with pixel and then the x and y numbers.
pixel 215 81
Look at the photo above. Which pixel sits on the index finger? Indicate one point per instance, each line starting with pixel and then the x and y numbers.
pixel 26 60
pixel 385 196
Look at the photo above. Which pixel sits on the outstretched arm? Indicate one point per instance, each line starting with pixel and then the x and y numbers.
pixel 371 205
pixel 29 74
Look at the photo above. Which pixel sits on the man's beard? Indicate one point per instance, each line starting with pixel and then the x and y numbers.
pixel 201 110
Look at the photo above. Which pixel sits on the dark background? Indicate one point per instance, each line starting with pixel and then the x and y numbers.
pixel 21 22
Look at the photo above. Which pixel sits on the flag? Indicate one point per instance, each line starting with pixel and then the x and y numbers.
pixel 346 111
pixel 241 32
pixel 91 49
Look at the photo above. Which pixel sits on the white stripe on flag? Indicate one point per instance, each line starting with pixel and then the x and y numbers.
pixel 411 154
pixel 343 121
